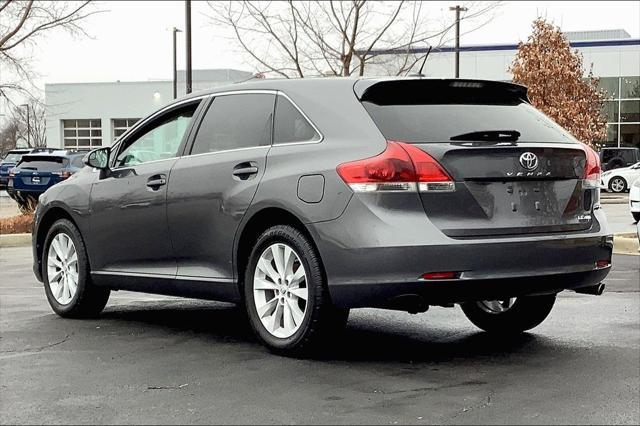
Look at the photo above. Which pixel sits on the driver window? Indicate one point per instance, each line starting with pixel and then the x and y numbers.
pixel 159 142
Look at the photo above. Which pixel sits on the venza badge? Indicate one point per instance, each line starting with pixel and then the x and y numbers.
pixel 529 161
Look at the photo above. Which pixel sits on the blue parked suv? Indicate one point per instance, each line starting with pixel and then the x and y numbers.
pixel 9 162
pixel 37 172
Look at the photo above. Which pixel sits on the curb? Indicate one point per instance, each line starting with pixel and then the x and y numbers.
pixel 15 240
pixel 626 244
pixel 613 201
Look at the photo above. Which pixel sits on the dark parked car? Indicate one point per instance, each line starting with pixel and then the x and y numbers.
pixel 9 162
pixel 38 171
pixel 302 199
pixel 615 158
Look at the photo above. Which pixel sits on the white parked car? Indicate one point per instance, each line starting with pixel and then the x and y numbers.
pixel 634 201
pixel 620 180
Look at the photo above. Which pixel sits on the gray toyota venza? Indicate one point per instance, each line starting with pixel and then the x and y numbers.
pixel 302 199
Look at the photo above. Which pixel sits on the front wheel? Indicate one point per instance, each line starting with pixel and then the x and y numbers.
pixel 618 184
pixel 67 280
pixel 286 296
pixel 509 316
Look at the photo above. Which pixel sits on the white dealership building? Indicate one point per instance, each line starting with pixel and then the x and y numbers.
pixel 94 114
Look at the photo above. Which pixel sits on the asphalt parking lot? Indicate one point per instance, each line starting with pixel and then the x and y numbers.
pixel 152 359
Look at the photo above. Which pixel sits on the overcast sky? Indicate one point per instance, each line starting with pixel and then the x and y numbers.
pixel 131 39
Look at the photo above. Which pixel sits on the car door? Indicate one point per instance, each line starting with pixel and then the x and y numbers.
pixel 129 233
pixel 213 184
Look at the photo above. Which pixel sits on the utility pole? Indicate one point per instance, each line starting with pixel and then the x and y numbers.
pixel 28 125
pixel 187 28
pixel 175 64
pixel 458 9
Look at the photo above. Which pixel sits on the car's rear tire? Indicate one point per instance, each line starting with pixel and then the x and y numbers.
pixel 284 269
pixel 636 216
pixel 617 184
pixel 66 274
pixel 510 316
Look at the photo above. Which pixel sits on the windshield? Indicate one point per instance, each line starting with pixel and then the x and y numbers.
pixel 423 123
pixel 42 163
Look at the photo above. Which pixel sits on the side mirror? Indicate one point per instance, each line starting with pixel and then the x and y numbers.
pixel 98 158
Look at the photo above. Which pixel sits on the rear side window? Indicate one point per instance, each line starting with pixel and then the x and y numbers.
pixel 290 124
pixel 432 111
pixel 235 121
pixel 629 155
pixel 43 164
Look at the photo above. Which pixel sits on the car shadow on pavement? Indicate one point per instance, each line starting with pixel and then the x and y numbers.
pixel 362 341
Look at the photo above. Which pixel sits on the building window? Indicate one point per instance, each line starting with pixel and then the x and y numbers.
pixel 121 125
pixel 622 110
pixel 82 133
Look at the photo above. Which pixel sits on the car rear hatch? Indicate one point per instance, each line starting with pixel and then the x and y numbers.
pixel 36 172
pixel 515 171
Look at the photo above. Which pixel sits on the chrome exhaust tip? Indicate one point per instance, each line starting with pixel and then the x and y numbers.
pixel 595 290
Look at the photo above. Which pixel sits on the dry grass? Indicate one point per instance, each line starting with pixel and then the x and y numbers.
pixel 16 224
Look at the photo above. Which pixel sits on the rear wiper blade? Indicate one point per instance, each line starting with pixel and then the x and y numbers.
pixel 488 135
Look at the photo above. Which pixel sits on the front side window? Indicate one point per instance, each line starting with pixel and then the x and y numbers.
pixel 159 140
pixel 290 125
pixel 121 125
pixel 235 121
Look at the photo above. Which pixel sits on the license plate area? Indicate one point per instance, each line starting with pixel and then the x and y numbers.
pixel 35 180
pixel 554 201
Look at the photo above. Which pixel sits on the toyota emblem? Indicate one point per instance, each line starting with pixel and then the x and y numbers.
pixel 529 161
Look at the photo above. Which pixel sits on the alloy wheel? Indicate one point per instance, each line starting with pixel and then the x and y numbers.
pixel 280 291
pixel 617 185
pixel 62 268
pixel 496 306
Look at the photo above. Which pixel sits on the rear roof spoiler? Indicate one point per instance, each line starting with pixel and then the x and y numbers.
pixel 424 90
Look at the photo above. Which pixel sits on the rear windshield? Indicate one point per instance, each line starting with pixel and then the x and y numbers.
pixel 43 164
pixel 440 123
pixel 420 111
pixel 13 157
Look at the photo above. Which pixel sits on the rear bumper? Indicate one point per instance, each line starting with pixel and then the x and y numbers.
pixel 373 257
pixel 423 293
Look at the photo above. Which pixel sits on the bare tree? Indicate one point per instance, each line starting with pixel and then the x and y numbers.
pixel 30 118
pixel 24 126
pixel 9 136
pixel 300 38
pixel 21 24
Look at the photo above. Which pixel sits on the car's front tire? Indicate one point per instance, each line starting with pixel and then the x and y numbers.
pixel 618 184
pixel 286 296
pixel 510 316
pixel 66 274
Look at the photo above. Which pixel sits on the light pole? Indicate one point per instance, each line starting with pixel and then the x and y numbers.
pixel 28 124
pixel 458 9
pixel 175 65
pixel 187 28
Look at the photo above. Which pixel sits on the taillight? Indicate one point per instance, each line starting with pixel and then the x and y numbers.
pixel 64 174
pixel 401 167
pixel 592 168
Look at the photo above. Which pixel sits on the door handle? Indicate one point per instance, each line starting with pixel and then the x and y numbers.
pixel 244 171
pixel 156 181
